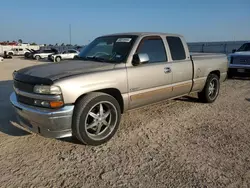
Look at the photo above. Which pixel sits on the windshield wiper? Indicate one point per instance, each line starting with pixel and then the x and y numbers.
pixel 100 59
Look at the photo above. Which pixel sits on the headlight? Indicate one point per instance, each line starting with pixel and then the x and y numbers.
pixel 52 90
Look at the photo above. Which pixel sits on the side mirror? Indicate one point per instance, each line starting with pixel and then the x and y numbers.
pixel 139 59
pixel 234 50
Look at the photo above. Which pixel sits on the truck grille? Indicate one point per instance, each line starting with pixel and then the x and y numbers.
pixel 25 100
pixel 23 86
pixel 241 60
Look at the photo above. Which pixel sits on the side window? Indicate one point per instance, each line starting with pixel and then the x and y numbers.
pixel 20 49
pixel 248 47
pixel 154 47
pixel 72 51
pixel 176 48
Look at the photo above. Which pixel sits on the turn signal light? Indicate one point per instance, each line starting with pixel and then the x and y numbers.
pixel 56 104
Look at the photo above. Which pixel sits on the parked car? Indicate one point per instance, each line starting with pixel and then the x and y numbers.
pixel 17 51
pixel 113 74
pixel 239 61
pixel 30 53
pixel 44 54
pixel 65 55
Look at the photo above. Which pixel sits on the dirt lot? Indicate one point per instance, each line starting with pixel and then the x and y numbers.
pixel 179 143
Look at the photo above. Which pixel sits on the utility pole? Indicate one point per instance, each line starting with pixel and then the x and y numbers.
pixel 70 34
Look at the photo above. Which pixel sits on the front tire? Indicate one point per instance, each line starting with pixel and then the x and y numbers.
pixel 211 90
pixel 96 118
pixel 58 59
pixel 37 57
pixel 229 75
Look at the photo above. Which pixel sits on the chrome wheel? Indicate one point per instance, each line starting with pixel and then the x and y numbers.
pixel 213 88
pixel 101 120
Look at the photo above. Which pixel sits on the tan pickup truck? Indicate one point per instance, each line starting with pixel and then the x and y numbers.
pixel 85 97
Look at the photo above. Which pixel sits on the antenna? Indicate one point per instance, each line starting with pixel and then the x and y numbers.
pixel 70 34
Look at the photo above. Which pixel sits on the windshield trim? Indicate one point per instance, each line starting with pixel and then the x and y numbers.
pixel 124 60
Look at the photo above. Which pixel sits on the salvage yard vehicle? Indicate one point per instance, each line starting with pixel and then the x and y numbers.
pixel 30 53
pixel 44 54
pixel 113 74
pixel 239 62
pixel 17 51
pixel 65 55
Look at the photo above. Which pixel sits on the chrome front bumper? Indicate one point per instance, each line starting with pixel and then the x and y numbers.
pixel 53 123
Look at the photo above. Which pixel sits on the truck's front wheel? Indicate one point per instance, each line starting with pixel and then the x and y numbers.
pixel 37 57
pixel 58 59
pixel 96 118
pixel 211 90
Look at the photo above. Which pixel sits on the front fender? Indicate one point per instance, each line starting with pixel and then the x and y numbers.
pixel 76 86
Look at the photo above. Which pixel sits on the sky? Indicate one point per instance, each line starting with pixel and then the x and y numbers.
pixel 47 21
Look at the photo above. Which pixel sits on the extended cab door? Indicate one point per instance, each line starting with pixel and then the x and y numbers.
pixel 182 66
pixel 150 82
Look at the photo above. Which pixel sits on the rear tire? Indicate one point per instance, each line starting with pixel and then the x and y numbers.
pixel 26 55
pixel 96 118
pixel 211 90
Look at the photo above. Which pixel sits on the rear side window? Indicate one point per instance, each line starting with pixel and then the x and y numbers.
pixel 47 51
pixel 72 51
pixel 176 48
pixel 154 47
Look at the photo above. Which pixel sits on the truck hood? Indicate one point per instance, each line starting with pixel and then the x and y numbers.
pixel 240 53
pixel 55 71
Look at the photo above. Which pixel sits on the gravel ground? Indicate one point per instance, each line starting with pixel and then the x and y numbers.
pixel 178 143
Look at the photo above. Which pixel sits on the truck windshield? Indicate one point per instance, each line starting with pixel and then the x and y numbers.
pixel 113 49
pixel 244 47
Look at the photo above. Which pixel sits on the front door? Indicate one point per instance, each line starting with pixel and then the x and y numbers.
pixel 150 82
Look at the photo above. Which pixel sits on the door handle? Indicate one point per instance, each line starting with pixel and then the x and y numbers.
pixel 167 69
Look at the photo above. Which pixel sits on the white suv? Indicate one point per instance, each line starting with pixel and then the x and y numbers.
pixel 67 54
pixel 44 54
pixel 17 51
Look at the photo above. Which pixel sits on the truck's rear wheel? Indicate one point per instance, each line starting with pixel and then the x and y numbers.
pixel 96 118
pixel 211 90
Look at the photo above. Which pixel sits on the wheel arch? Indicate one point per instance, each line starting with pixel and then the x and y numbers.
pixel 110 91
pixel 216 72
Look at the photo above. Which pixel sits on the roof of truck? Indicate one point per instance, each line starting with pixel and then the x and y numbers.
pixel 145 34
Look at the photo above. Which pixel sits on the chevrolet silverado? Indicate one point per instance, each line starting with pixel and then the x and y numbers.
pixel 85 97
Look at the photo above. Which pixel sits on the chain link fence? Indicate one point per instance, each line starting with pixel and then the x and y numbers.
pixel 203 47
pixel 215 47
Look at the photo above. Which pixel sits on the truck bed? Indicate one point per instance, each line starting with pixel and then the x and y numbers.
pixel 196 56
